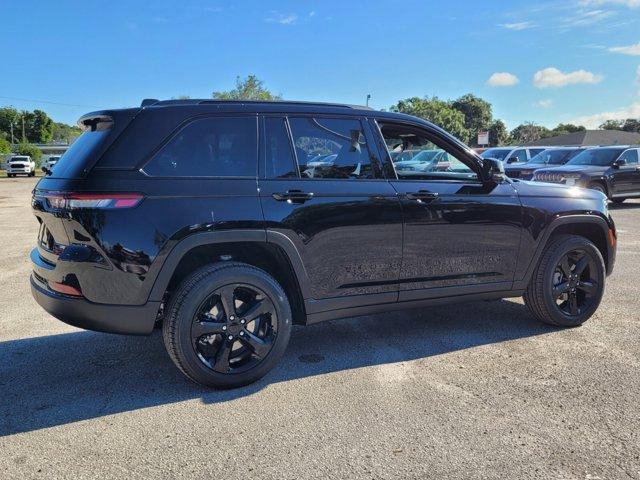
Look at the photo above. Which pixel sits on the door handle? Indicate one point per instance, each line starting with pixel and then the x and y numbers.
pixel 422 196
pixel 293 196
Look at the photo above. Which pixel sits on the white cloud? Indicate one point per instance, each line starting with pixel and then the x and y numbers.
pixel 638 75
pixel 544 103
pixel 312 13
pixel 517 26
pixel 502 79
pixel 282 18
pixel 626 3
pixel 552 77
pixel 595 120
pixel 588 17
pixel 627 50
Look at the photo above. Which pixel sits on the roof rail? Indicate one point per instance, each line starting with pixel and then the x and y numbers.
pixel 147 102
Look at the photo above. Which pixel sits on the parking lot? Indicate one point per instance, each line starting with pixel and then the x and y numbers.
pixel 477 390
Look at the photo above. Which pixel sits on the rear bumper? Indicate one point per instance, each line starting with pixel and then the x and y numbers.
pixel 79 312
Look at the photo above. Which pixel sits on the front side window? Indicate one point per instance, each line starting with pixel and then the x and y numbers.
pixel 331 148
pixel 416 157
pixel 518 156
pixel 631 156
pixel 209 147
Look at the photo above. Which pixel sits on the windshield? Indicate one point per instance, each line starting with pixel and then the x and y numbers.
pixel 551 157
pixel 499 153
pixel 425 156
pixel 596 156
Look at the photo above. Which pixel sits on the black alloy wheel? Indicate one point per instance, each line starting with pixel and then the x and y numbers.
pixel 575 283
pixel 235 328
pixel 227 324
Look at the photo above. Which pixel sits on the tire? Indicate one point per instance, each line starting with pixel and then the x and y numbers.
pixel 599 187
pixel 257 344
pixel 549 278
pixel 618 201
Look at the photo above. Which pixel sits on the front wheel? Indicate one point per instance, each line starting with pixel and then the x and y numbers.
pixel 228 324
pixel 567 286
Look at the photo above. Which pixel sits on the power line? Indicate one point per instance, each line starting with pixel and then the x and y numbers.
pixel 48 102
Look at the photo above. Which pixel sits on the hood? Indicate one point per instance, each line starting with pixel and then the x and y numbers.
pixel 557 190
pixel 590 169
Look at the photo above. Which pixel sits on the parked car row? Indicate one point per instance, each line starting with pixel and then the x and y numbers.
pixel 612 170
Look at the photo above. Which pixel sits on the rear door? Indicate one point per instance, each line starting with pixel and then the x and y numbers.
pixel 460 235
pixel 340 214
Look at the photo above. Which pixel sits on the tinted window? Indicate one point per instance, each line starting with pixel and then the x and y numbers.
pixel 81 151
pixel 518 156
pixel 535 151
pixel 631 156
pixel 596 156
pixel 331 148
pixel 497 153
pixel 209 147
pixel 278 153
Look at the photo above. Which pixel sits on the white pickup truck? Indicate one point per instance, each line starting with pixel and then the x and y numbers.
pixel 21 165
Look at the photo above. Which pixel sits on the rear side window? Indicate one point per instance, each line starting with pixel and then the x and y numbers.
pixel 81 151
pixel 331 148
pixel 209 147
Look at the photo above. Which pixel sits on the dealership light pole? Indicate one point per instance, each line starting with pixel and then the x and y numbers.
pixel 368 97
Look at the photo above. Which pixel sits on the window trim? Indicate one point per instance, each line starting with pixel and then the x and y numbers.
pixel 430 134
pixel 262 173
pixel 184 124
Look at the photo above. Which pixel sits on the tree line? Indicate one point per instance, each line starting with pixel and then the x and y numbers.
pixel 24 128
pixel 464 117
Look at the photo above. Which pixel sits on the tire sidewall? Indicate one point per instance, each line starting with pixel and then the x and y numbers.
pixel 558 316
pixel 184 313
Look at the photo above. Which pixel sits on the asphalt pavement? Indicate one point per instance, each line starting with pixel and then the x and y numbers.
pixel 479 390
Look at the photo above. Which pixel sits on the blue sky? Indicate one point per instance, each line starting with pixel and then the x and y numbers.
pixel 571 60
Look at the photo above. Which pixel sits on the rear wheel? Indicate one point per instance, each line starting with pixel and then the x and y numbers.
pixel 568 283
pixel 227 325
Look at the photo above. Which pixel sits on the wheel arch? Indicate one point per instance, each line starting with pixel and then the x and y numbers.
pixel 277 256
pixel 593 227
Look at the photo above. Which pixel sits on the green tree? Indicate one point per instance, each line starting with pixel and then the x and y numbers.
pixel 40 128
pixel 477 115
pixel 529 132
pixel 31 150
pixel 5 146
pixel 9 115
pixel 436 111
pixel 612 125
pixel 251 88
pixel 631 125
pixel 498 134
pixel 65 133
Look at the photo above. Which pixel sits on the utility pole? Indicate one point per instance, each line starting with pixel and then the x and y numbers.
pixel 368 97
pixel 13 140
pixel 23 140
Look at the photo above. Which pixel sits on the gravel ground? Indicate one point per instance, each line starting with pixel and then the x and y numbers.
pixel 467 391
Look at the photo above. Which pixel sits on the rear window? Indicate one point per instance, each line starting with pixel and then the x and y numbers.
pixel 74 160
pixel 209 147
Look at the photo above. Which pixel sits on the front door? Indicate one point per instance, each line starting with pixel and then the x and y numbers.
pixel 460 235
pixel 627 176
pixel 323 190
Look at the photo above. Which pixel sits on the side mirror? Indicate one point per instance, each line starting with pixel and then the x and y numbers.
pixel 46 171
pixel 493 170
pixel 621 162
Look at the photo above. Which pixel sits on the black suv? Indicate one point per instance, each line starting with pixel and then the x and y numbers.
pixel 550 158
pixel 613 171
pixel 216 219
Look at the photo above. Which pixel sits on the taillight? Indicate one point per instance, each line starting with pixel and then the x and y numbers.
pixel 74 201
